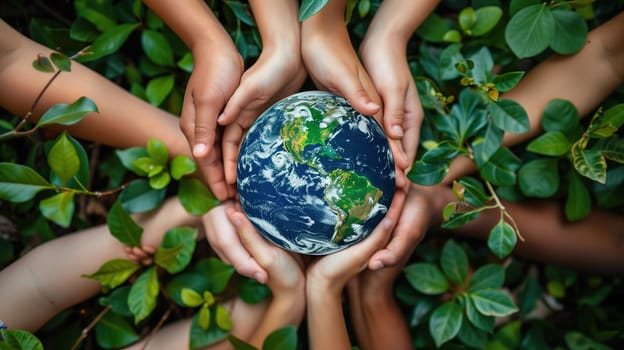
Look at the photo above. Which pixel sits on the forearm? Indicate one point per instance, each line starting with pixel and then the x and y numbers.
pixel 384 325
pixel 278 24
pixel 325 319
pixel 281 312
pixel 397 20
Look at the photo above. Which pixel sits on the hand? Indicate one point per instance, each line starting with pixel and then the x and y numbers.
pixel 276 74
pixel 224 240
pixel 285 274
pixel 215 77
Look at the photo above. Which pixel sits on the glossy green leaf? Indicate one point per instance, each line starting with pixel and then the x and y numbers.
pixel 466 19
pixel 109 42
pixel 570 32
pixel 240 12
pixel 203 317
pixel 191 298
pixel 442 152
pixel 195 197
pixel 506 81
pixel 157 150
pixel 433 28
pixel 59 208
pixel 222 317
pixel 578 203
pixel 476 318
pixel 426 278
pixel 176 250
pixel 61 62
pixel 445 322
pixel 454 262
pixel 486 146
pixel 122 226
pixel 460 219
pixel 284 338
pixel 486 18
pixel 530 30
pixel 81 179
pixel 102 16
pixel 427 174
pixel 363 7
pixel 129 155
pixel 143 295
pixel 472 336
pixel 158 89
pixel 188 279
pixel 219 273
pixel 474 192
pixel 157 48
pixel 118 300
pixel 530 296
pixel 502 239
pixel 200 338
pixel 539 178
pixel 509 115
pixel 63 158
pixel 308 8
pixel 452 36
pixel 147 165
pixel 139 197
pixel 500 169
pixel 19 183
pixel 160 181
pixel 43 64
pixel 612 149
pixel 68 114
pixel 83 30
pixel 493 302
pixel 613 116
pixel 113 273
pixel 17 339
pixel 186 63
pixel 182 165
pixel 252 291
pixel 239 344
pixel 490 276
pixel 589 163
pixel 560 115
pixel 113 331
pixel 551 143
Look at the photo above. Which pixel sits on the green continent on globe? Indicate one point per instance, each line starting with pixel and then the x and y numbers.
pixel 352 197
pixel 308 130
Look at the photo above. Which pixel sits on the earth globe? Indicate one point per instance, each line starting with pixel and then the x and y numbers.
pixel 314 176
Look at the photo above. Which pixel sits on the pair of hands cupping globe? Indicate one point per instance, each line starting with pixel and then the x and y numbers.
pixel 315 176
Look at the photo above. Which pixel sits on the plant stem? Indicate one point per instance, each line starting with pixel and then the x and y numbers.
pixel 85 331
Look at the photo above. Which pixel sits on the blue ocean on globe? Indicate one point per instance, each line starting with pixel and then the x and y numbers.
pixel 315 176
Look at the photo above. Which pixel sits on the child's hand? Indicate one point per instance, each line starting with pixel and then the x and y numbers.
pixel 141 255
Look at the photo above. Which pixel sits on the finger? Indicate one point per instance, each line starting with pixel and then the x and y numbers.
pixel 187 118
pixel 232 137
pixel 211 168
pixel 207 108
pixel 257 246
pixel 358 97
pixel 394 111
pixel 383 257
pixel 414 115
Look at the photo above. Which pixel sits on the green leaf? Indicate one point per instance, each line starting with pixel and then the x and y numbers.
pixel 129 156
pixel 539 178
pixel 440 152
pixel 191 298
pixel 143 295
pixel 509 115
pixel 200 338
pixel 454 262
pixel 43 64
pixel 158 89
pixel 63 158
pixel 493 302
pixel 476 318
pixel 139 197
pixel 500 169
pixel 570 32
pixel 589 163
pixel 486 18
pixel 223 318
pixel 252 291
pixel 560 115
pixel 502 239
pixel 490 276
pixel 445 322
pixel 59 208
pixel 486 146
pixel 426 278
pixel 157 48
pixel 15 339
pixel 474 193
pixel 612 148
pixel 432 28
pixel 159 181
pixel 148 165
pixel 67 114
pixel 613 116
pixel 218 272
pixel 466 19
pixel 239 344
pixel 118 300
pixel 284 338
pixel 62 62
pixel 460 219
pixel 531 293
pixel 188 279
pixel 113 273
pixel 195 197
pixel 507 81
pixel 114 331
pixel 241 13
pixel 452 36
pixel 579 341
pixel 19 183
pixel 530 30
pixel 310 7
pixel 578 202
pixel 203 317
pixel 109 42
pixel 551 143
pixel 472 336
pixel 428 174
pixel 176 250
pixel 122 226
pixel 157 150
pixel 182 165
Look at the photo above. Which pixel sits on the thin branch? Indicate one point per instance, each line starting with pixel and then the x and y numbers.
pixel 85 331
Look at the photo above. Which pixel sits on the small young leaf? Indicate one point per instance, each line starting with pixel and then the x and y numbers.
pixel 502 239
pixel 19 183
pixel 62 62
pixel 113 273
pixel 466 18
pixel 160 180
pixel 486 18
pixel 191 298
pixel 445 322
pixel 129 155
pixel 426 278
pixel 203 317
pixel 122 226
pixel 454 262
pixel 551 143
pixel 59 208
pixel 223 318
pixel 182 165
pixel 67 114
pixel 143 295
pixel 493 302
pixel 63 158
pixel 157 150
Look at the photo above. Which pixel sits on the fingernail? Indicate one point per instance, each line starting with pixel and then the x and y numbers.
pixel 397 130
pixel 388 223
pixel 372 104
pixel 376 265
pixel 199 149
pixel 220 117
pixel 258 277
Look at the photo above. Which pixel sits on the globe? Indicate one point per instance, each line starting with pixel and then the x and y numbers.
pixel 314 176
